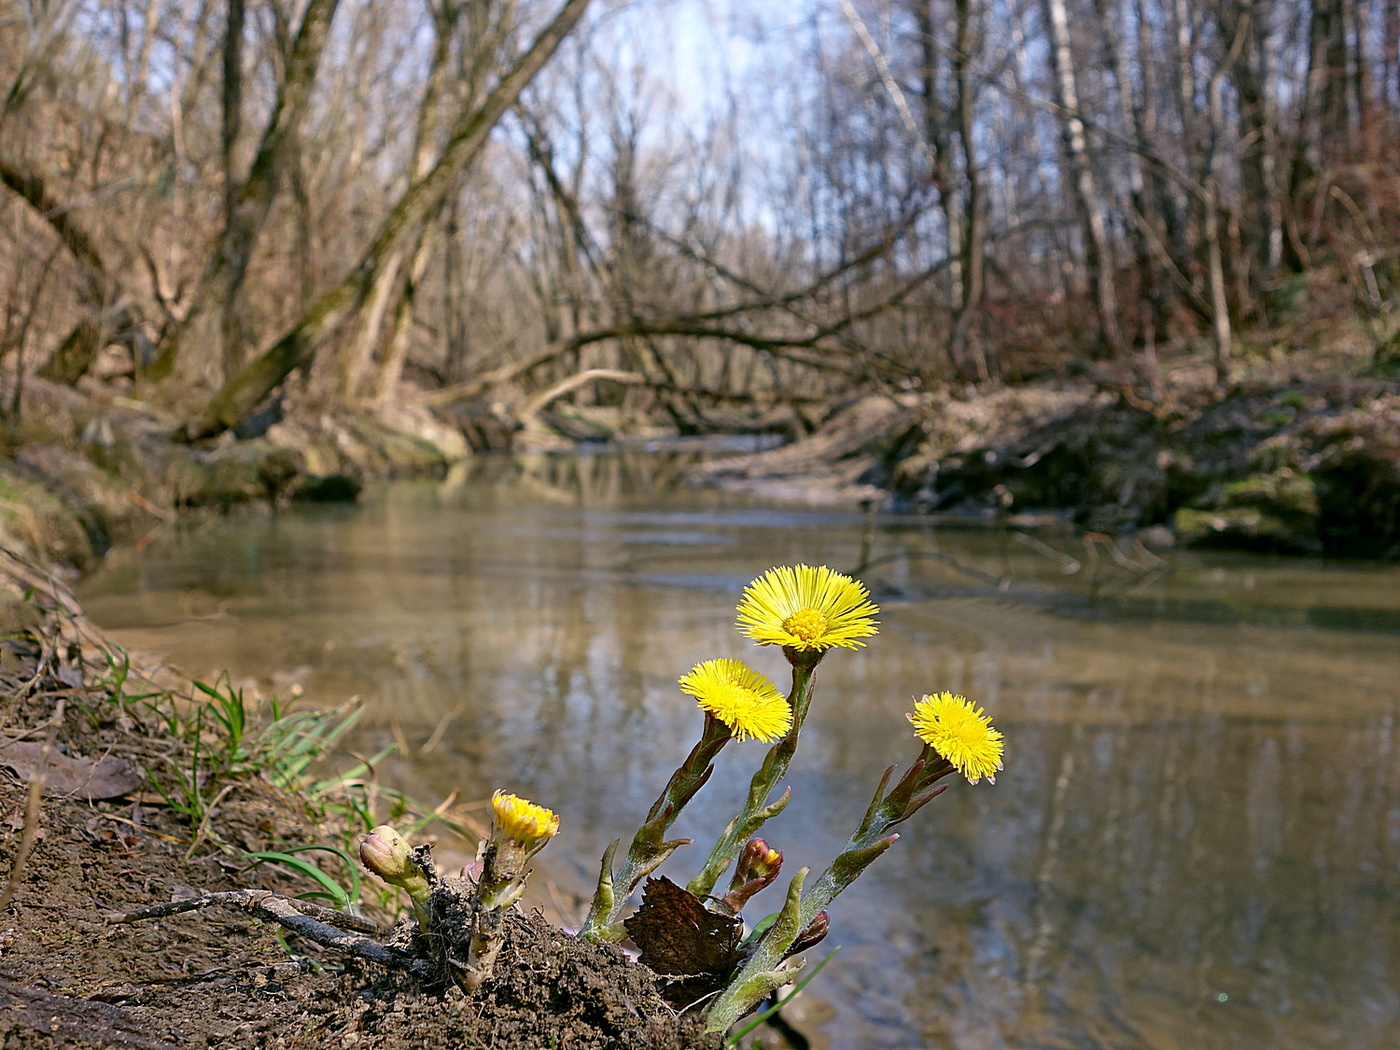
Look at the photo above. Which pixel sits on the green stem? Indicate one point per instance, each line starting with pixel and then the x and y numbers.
pixel 765 969
pixel 757 809
pixel 649 848
pixel 915 789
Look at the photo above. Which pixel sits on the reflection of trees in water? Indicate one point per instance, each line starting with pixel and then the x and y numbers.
pixel 1141 872
pixel 593 479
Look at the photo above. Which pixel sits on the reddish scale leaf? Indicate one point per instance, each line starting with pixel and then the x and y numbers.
pixel 681 939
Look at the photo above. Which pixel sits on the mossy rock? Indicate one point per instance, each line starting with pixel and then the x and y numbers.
pixel 387 452
pixel 232 476
pixel 239 473
pixel 1282 493
pixel 39 522
pixel 1272 512
pixel 1244 528
pixel 1104 463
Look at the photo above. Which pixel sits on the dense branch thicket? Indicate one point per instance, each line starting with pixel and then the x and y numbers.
pixel 346 197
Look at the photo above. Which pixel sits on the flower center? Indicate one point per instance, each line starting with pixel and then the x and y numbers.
pixel 729 697
pixel 807 624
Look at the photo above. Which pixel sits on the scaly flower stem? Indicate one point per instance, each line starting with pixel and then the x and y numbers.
pixel 502 882
pixel 765 969
pixel 757 809
pixel 915 789
pixel 649 848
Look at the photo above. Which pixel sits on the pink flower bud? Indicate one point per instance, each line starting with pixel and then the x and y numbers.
pixel 384 852
pixel 759 861
pixel 758 866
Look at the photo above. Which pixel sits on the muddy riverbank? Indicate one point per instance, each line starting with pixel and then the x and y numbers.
pixel 1308 468
pixel 114 796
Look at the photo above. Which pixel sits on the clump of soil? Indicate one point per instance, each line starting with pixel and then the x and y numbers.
pixel 217 978
pixel 549 989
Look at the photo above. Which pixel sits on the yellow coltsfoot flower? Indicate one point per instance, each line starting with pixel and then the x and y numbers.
pixel 957 729
pixel 519 819
pixel 805 607
pixel 744 700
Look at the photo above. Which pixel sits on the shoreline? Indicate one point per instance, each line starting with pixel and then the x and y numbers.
pixel 1309 467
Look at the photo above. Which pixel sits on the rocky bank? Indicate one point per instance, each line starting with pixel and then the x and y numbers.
pixel 1308 468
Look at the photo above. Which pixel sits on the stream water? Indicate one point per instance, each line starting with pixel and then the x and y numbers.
pixel 1196 840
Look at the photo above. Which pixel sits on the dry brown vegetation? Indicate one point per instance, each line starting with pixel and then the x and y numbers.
pixel 352 201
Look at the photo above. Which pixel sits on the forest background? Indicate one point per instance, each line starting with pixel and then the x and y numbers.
pixel 682 211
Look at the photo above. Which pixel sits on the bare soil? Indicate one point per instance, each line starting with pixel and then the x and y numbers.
pixel 71 978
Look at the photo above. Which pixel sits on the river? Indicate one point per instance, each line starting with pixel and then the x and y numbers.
pixel 1195 843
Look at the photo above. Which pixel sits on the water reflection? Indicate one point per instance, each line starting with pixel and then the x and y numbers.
pixel 1195 844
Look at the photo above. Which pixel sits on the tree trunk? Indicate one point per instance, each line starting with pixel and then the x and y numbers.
pixel 386 380
pixel 1083 186
pixel 80 347
pixel 972 250
pixel 31 188
pixel 223 275
pixel 1261 202
pixel 938 141
pixel 358 354
pixel 242 393
pixel 230 319
pixel 1221 334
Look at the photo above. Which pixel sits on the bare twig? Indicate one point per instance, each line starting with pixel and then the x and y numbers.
pixel 281 910
pixel 33 805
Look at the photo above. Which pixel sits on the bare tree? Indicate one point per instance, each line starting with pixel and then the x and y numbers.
pixel 246 389
pixel 1081 178
pixel 247 207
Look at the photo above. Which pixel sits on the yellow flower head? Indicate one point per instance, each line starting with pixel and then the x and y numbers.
pixel 804 607
pixel 957 729
pixel 740 697
pixel 528 824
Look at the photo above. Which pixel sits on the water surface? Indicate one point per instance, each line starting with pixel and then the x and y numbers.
pixel 1195 843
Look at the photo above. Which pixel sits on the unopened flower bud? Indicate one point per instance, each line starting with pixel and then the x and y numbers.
pixel 759 861
pixel 758 866
pixel 814 932
pixel 384 852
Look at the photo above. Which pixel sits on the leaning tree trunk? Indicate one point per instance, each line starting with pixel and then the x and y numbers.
pixel 248 208
pixel 80 347
pixel 247 389
pixel 356 359
pixel 386 379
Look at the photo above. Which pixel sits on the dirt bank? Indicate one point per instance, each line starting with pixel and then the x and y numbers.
pixel 113 826
pixel 1304 466
pixel 1310 467
pixel 88 469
